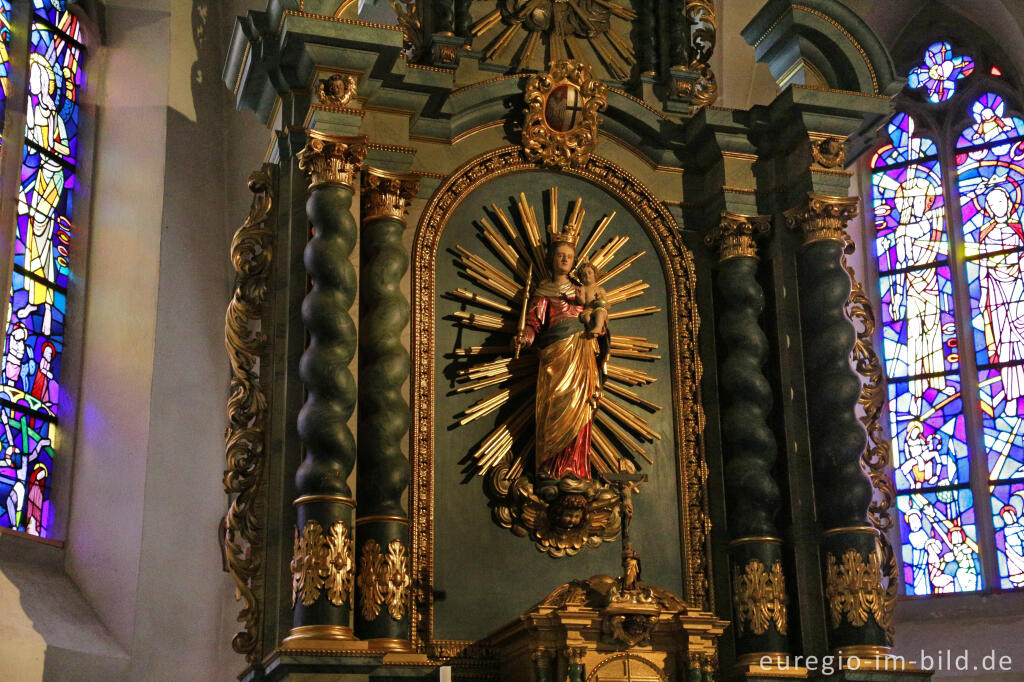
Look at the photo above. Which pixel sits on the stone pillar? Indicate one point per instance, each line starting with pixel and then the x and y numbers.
pixel 323 563
pixel 854 596
pixel 382 525
pixel 760 601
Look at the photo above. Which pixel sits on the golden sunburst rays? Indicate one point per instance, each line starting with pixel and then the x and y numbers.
pixel 515 240
pixel 561 32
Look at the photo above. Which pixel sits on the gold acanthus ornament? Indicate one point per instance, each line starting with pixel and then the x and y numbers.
pixel 822 217
pixel 322 562
pixel 759 597
pixel 853 588
pixel 560 128
pixel 332 159
pixel 734 236
pixel 245 452
pixel 386 195
pixel 876 457
pixel 383 579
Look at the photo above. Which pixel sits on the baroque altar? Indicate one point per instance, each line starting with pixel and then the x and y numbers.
pixel 504 257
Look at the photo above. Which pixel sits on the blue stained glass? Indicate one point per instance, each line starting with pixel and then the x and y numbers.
pixel 35 345
pixel 1007 510
pixel 903 145
pixel 928 433
pixel 25 469
pixel 990 183
pixel 55 12
pixel 991 124
pixel 910 217
pixel 940 72
pixel 1002 416
pixel 940 543
pixel 54 79
pixel 44 232
pixel 918 327
pixel 996 286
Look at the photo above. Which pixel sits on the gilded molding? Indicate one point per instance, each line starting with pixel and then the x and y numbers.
pixel 331 158
pixel 822 217
pixel 853 589
pixel 678 264
pixel 877 455
pixel 384 580
pixel 559 149
pixel 322 562
pixel 842 29
pixel 759 597
pixel 735 235
pixel 337 90
pixel 386 195
pixel 251 256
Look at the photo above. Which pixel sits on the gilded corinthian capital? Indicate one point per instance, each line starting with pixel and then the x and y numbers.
pixel 332 159
pixel 386 195
pixel 822 217
pixel 735 235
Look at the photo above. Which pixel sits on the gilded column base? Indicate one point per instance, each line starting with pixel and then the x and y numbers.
pixel 875 658
pixel 768 664
pixel 383 581
pixel 759 599
pixel 323 567
pixel 856 607
pixel 322 638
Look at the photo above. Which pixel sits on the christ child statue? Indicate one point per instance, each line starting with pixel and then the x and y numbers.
pixel 593 299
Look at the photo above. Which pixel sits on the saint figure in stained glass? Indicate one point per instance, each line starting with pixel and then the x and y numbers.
pixel 1002 291
pixel 925 464
pixel 1013 532
pixel 22 463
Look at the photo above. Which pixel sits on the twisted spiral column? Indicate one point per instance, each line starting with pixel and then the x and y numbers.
pixel 322 565
pixel 854 597
pixel 382 475
pixel 759 594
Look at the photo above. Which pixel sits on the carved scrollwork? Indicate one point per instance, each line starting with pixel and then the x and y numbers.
pixel 384 579
pixel 561 115
pixel 877 455
pixel 322 562
pixel 759 597
pixel 853 588
pixel 251 254
pixel 412 30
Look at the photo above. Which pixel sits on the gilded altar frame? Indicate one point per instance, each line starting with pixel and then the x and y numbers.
pixel 677 265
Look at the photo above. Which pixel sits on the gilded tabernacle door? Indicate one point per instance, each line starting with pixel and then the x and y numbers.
pixel 554 392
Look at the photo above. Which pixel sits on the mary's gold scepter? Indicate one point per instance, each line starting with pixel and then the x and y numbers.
pixel 522 313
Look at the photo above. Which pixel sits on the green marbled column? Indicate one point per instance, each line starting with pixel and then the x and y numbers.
pixel 837 438
pixel 760 601
pixel 382 527
pixel 322 566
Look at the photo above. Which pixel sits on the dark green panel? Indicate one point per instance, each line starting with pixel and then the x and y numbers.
pixel 488 575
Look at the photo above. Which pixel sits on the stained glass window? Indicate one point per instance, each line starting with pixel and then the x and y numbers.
pixel 951 290
pixel 31 397
pixel 940 72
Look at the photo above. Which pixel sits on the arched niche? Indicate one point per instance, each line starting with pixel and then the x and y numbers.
pixel 457 549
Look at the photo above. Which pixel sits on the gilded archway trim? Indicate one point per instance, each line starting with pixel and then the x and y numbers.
pixel 678 265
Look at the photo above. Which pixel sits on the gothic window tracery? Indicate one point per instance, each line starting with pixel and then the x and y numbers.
pixel 948 215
